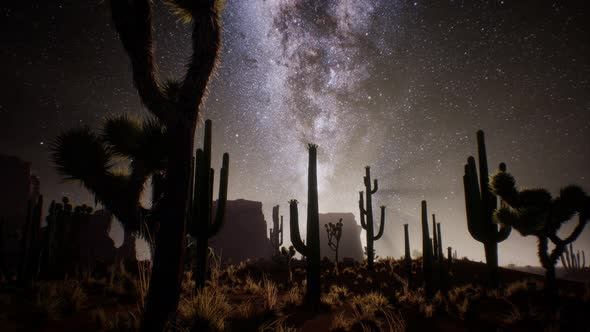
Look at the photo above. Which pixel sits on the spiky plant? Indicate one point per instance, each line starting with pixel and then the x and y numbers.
pixel 571 260
pixel 535 212
pixel 366 215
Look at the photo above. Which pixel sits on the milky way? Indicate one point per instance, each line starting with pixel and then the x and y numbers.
pixel 401 86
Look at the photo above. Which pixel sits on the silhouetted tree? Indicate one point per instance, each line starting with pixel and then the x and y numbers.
pixel 334 232
pixel 535 212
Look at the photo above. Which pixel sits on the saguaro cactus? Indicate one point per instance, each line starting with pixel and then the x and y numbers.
pixel 441 259
pixel 366 216
pixel 427 254
pixel 202 225
pixel 434 239
pixel 311 250
pixel 407 257
pixel 276 232
pixel 480 204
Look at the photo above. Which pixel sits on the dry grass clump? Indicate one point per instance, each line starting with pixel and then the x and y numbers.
pixel 371 312
pixel 460 298
pixel 117 321
pixel 276 326
pixel 295 295
pixel 269 293
pixel 55 298
pixel 336 297
pixel 204 310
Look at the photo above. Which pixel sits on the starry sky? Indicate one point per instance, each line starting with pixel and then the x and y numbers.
pixel 401 86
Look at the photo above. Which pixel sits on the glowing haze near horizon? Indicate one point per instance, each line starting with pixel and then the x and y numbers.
pixel 400 86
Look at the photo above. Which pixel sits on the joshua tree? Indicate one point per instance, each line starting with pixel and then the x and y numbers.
pixel 535 212
pixel 366 213
pixel 480 204
pixel 571 261
pixel 427 254
pixel 311 250
pixel 276 232
pixel 202 224
pixel 334 233
pixel 407 257
pixel 175 106
pixel 288 254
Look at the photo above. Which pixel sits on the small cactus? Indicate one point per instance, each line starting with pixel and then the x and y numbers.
pixel 571 261
pixel 276 232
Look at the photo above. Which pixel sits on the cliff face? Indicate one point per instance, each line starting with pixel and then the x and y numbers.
pixel 243 235
pixel 350 242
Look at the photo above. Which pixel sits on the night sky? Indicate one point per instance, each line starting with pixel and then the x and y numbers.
pixel 401 86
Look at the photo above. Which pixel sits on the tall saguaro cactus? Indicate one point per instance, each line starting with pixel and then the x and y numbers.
pixel 202 224
pixel 407 256
pixel 480 205
pixel 427 254
pixel 176 105
pixel 434 239
pixel 366 216
pixel 276 232
pixel 311 250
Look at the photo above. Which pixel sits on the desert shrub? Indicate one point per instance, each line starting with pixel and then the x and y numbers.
pixel 204 310
pixel 295 295
pixel 269 293
pixel 117 321
pixel 336 297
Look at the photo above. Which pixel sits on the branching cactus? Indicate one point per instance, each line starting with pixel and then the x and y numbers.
pixel 334 234
pixel 366 216
pixel 276 232
pixel 480 205
pixel 311 250
pixel 407 257
pixel 571 261
pixel 202 223
pixel 427 254
pixel 535 212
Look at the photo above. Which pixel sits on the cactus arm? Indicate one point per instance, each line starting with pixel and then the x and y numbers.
pixel 472 201
pixel 295 235
pixel 375 186
pixel 222 200
pixel 281 232
pixel 503 233
pixel 363 212
pixel 483 171
pixel 381 225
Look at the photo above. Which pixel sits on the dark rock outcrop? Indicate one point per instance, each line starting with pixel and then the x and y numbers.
pixel 350 242
pixel 244 234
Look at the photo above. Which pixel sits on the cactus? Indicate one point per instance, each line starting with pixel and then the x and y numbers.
pixel 407 257
pixel 334 233
pixel 276 232
pixel 311 250
pixel 434 239
pixel 535 212
pixel 366 216
pixel 480 204
pixel 30 247
pixel 427 254
pixel 441 267
pixel 449 259
pixel 571 261
pixel 202 224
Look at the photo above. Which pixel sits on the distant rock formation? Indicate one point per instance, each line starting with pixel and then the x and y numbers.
pixel 350 242
pixel 244 234
pixel 18 185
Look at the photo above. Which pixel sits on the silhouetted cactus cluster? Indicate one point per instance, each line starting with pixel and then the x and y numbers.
pixel 366 215
pixel 202 224
pixel 276 232
pixel 571 261
pixel 480 204
pixel 61 237
pixel 287 255
pixel 536 212
pixel 311 250
pixel 30 250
